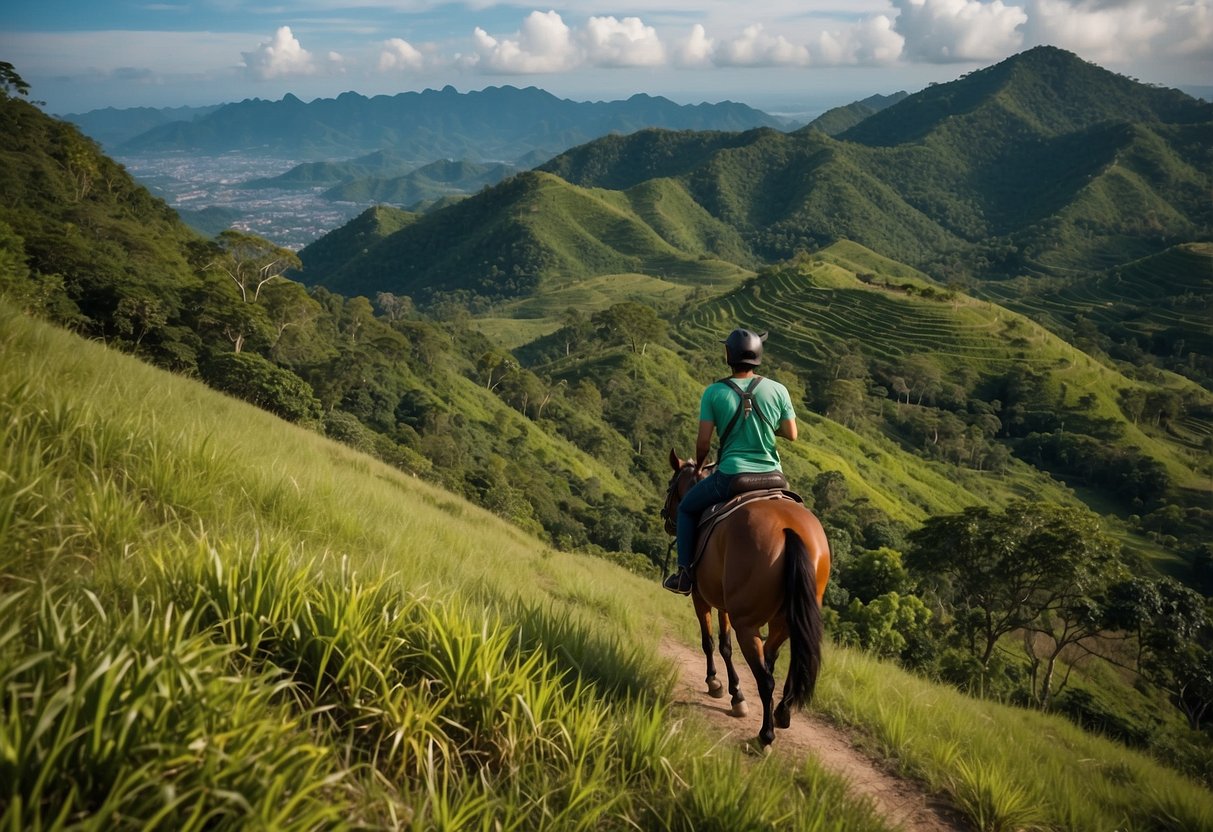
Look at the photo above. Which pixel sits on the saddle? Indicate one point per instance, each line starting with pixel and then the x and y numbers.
pixel 744 489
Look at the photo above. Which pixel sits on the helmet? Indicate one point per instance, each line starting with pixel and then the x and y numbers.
pixel 743 348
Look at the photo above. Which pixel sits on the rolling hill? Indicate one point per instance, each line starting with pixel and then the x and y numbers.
pixel 1043 161
pixel 536 230
pixel 445 177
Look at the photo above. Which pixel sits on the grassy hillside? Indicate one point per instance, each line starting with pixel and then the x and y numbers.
pixel 842 296
pixel 1157 305
pixel 1041 162
pixel 428 182
pixel 217 627
pixel 518 239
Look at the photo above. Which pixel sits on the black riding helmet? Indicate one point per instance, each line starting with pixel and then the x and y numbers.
pixel 743 348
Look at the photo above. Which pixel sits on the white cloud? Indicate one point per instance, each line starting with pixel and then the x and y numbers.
pixel 543 44
pixel 872 42
pixel 757 48
pixel 1104 31
pixel 627 42
pixel 399 54
pixel 943 31
pixel 279 58
pixel 696 50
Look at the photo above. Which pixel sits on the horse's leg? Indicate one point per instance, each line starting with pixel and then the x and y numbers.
pixel 776 636
pixel 703 611
pixel 726 653
pixel 751 647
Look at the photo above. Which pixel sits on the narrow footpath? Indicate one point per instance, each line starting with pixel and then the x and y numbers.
pixel 903 803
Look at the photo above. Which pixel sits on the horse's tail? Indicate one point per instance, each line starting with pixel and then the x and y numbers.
pixel 803 615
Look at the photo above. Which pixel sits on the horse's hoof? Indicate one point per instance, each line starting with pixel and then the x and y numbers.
pixel 783 717
pixel 715 689
pixel 740 709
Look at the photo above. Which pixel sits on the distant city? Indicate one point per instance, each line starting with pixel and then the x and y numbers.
pixel 190 182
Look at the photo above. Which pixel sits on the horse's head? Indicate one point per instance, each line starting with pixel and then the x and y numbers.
pixel 683 478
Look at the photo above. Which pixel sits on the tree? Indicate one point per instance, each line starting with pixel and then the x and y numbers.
pixel 1035 567
pixel 11 82
pixel 251 261
pixel 629 323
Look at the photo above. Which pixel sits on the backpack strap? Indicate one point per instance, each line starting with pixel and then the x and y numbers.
pixel 745 407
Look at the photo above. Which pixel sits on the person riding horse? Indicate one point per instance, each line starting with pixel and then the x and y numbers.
pixel 748 411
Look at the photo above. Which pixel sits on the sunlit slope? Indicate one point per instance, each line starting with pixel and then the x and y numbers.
pixel 306 638
pixel 905 486
pixel 1166 297
pixel 1042 162
pixel 519 238
pixel 821 304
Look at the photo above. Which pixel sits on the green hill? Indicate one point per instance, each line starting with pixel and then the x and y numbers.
pixel 220 627
pixel 527 233
pixel 1158 305
pixel 833 302
pixel 1041 162
pixel 839 119
pixel 428 182
pixel 383 163
pixel 360 234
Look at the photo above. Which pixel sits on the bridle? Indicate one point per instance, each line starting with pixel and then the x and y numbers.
pixel 669 511
pixel 673 495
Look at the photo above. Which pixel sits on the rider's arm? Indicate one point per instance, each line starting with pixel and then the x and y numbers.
pixel 703 442
pixel 787 429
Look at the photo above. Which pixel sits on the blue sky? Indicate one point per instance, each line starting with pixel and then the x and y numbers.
pixel 782 55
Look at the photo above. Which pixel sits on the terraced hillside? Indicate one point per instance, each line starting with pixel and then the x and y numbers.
pixel 838 299
pixel 1162 303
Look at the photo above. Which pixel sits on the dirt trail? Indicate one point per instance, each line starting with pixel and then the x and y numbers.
pixel 901 802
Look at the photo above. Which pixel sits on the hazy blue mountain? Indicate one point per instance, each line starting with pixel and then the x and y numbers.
pixel 112 126
pixel 495 124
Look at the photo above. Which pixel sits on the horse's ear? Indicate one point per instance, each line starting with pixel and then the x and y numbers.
pixel 675 462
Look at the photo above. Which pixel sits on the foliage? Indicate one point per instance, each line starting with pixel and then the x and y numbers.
pixel 256 380
pixel 1034 567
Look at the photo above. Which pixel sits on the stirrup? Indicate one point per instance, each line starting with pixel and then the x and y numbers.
pixel 679 582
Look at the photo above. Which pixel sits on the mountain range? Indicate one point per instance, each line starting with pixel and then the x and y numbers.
pixel 1041 164
pixel 494 124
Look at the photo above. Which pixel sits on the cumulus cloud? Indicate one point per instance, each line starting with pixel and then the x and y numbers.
pixel 627 42
pixel 696 50
pixel 871 42
pixel 1110 31
pixel 543 44
pixel 757 48
pixel 943 31
pixel 399 54
pixel 281 57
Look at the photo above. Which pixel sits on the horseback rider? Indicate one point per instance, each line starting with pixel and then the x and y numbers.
pixel 753 410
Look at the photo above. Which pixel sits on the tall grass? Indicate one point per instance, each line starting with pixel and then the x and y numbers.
pixel 214 620
pixel 1007 768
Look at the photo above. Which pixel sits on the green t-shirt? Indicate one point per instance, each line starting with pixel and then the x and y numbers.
pixel 751 445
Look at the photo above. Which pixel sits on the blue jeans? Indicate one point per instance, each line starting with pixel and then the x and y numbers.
pixel 714 489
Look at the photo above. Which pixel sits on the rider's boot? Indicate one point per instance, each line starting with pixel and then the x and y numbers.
pixel 679 582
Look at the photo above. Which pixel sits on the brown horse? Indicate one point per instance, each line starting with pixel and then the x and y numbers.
pixel 766 564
